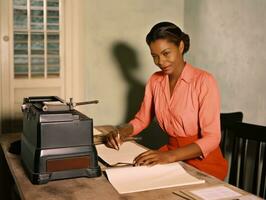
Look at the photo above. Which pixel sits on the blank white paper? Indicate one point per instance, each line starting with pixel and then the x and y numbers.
pixel 142 178
pixel 96 132
pixel 126 153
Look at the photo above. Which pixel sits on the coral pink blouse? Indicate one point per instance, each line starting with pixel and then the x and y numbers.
pixel 193 108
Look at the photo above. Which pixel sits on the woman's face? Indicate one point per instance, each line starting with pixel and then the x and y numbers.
pixel 167 56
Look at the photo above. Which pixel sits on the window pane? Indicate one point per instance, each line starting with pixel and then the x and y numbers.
pixel 37 43
pixel 52 3
pixel 53 60
pixel 37 19
pixel 20 48
pixel 20 43
pixel 53 66
pixel 53 71
pixel 53 48
pixel 37 66
pixel 53 44
pixel 21 36
pixel 21 71
pixel 53 37
pixel 36 3
pixel 20 2
pixel 52 20
pixel 53 13
pixel 21 66
pixel 38 13
pixel 20 19
pixel 53 27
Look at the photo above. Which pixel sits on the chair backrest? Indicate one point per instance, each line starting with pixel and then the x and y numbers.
pixel 227 119
pixel 249 139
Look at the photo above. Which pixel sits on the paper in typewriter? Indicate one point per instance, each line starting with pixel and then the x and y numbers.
pixel 141 178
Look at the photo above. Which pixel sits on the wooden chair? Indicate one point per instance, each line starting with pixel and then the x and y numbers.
pixel 249 139
pixel 227 119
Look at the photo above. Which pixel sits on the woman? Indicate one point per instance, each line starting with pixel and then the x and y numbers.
pixel 186 103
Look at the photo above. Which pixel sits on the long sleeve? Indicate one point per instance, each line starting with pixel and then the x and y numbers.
pixel 209 115
pixel 146 112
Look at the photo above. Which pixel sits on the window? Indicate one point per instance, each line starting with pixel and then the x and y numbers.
pixel 36 38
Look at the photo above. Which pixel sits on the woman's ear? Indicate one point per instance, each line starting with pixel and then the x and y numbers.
pixel 181 47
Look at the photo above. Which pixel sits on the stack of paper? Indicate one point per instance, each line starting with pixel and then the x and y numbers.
pixel 214 193
pixel 217 192
pixel 141 178
pixel 135 179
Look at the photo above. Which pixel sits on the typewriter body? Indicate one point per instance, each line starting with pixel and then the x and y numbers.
pixel 57 141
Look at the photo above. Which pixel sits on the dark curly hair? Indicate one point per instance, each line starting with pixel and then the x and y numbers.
pixel 169 31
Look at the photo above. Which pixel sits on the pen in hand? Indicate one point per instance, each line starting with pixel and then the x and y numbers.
pixel 118 141
pixel 100 139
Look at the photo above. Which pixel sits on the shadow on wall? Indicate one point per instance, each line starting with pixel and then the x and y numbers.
pixel 128 63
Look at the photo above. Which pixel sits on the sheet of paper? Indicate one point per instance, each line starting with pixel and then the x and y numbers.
pixel 215 193
pixel 126 153
pixel 142 178
pixel 96 132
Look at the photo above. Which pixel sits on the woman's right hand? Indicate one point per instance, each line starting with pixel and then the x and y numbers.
pixel 114 136
pixel 113 139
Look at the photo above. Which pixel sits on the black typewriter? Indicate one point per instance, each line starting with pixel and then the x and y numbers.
pixel 57 140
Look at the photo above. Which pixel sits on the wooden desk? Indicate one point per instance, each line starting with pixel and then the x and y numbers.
pixel 87 188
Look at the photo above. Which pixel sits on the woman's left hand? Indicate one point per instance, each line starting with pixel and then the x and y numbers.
pixel 153 157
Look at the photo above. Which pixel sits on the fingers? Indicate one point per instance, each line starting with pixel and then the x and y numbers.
pixel 143 155
pixel 112 140
pixel 147 161
pixel 152 157
pixel 147 158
